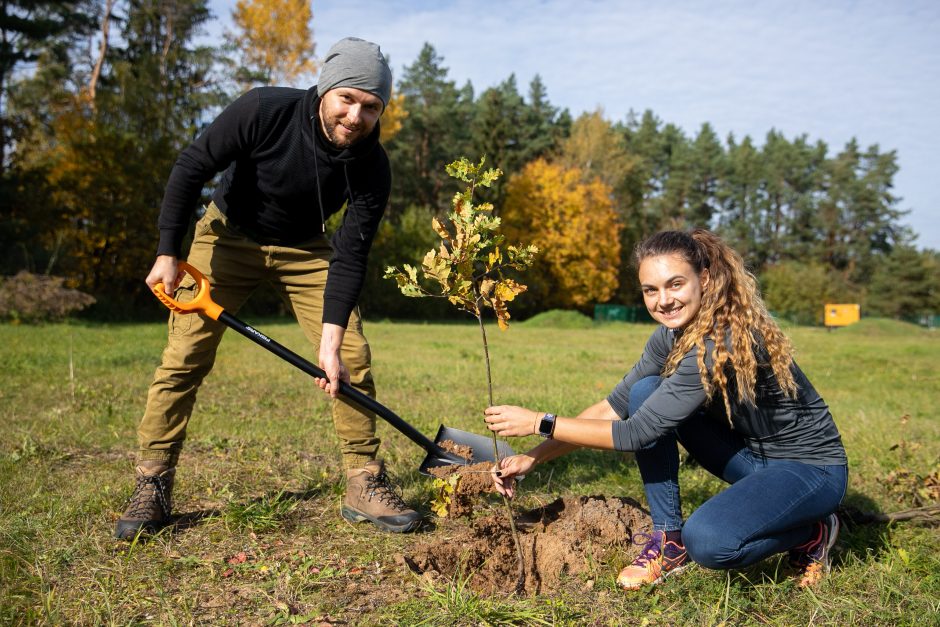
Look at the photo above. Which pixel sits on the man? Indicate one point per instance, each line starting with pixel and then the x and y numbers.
pixel 291 158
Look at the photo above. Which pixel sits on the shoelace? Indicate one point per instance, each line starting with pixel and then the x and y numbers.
pixel 139 501
pixel 808 554
pixel 381 486
pixel 650 551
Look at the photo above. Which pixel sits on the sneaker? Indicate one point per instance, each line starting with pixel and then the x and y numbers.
pixel 148 509
pixel 370 496
pixel 658 559
pixel 813 559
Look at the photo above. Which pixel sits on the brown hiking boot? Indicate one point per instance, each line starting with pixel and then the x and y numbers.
pixel 148 509
pixel 370 496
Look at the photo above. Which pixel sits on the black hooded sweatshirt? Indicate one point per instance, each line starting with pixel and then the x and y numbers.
pixel 282 179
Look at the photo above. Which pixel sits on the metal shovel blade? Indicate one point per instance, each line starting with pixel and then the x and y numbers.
pixel 481 447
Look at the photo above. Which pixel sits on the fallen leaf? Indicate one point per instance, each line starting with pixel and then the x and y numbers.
pixel 239 558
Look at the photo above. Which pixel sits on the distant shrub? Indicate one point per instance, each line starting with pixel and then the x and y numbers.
pixel 402 238
pixel 34 298
pixel 798 291
pixel 559 319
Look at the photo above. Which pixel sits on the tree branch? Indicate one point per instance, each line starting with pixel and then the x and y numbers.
pixel 102 51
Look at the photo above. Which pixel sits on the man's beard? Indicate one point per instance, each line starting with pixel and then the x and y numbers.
pixel 329 127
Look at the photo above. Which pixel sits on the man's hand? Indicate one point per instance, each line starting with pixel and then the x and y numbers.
pixel 331 341
pixel 165 270
pixel 504 478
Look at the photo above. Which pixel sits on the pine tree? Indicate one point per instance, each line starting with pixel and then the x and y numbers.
pixel 30 29
pixel 437 126
pixel 905 284
pixel 741 219
pixel 707 168
pixel 858 216
pixel 545 126
pixel 499 131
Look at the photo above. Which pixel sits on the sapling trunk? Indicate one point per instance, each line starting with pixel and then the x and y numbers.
pixel 468 268
pixel 520 556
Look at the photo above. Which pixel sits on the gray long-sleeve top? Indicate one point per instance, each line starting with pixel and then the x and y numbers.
pixel 776 426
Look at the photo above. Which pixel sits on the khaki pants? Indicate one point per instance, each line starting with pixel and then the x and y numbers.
pixel 235 266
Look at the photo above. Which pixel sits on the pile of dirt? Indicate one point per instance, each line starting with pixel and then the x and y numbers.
pixel 473 480
pixel 565 538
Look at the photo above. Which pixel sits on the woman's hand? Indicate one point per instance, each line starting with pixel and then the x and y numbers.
pixel 511 421
pixel 504 478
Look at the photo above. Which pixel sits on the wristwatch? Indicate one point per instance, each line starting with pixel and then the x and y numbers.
pixel 547 426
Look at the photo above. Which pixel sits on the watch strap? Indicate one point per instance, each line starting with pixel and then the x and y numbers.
pixel 547 426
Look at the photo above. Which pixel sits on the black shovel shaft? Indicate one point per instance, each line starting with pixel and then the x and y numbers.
pixel 363 400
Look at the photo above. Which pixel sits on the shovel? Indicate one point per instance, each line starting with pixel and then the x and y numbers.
pixel 480 446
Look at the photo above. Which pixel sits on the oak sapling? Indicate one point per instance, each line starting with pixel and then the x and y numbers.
pixel 468 269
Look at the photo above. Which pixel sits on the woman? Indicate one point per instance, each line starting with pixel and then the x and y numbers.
pixel 739 405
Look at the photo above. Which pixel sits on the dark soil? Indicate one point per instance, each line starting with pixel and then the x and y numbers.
pixel 462 450
pixel 566 538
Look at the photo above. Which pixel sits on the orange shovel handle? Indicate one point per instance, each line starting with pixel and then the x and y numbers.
pixel 201 303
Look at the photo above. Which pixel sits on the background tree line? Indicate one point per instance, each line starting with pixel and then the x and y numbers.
pixel 97 98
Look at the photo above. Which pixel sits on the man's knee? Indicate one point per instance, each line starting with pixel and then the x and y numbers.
pixel 357 357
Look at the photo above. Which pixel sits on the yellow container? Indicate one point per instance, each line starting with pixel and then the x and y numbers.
pixel 841 315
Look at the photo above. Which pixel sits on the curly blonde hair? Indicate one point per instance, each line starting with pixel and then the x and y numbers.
pixel 732 312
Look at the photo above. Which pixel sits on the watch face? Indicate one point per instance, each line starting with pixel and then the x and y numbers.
pixel 547 425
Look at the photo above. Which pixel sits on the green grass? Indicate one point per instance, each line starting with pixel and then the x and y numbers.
pixel 260 483
pixel 455 603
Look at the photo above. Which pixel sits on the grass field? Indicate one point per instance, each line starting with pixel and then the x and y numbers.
pixel 259 483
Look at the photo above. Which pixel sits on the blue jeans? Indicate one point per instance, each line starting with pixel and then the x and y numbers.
pixel 771 505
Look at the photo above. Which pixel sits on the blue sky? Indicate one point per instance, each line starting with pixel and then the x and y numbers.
pixel 832 70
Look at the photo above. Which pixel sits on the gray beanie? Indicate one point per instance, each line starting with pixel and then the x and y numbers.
pixel 354 62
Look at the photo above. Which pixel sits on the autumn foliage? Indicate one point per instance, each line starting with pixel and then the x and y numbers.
pixel 95 173
pixel 393 117
pixel 574 224
pixel 275 40
pixel 469 267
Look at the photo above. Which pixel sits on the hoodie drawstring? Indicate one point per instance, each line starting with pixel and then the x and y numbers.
pixel 349 193
pixel 316 172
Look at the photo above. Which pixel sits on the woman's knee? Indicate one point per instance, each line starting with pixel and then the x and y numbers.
pixel 642 390
pixel 710 545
